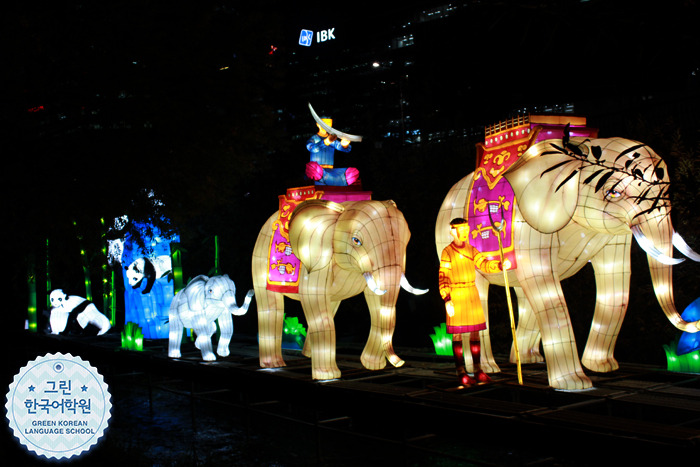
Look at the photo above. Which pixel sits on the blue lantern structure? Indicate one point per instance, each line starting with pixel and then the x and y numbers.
pixel 690 341
pixel 148 281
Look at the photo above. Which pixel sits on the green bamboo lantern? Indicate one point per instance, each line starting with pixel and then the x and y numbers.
pixel 442 340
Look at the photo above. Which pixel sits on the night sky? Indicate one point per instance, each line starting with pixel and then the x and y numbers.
pixel 104 101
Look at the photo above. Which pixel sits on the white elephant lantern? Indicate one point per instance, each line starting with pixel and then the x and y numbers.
pixel 202 302
pixel 577 200
pixel 71 314
pixel 345 249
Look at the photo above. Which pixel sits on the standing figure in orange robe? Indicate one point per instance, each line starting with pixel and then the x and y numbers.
pixel 458 265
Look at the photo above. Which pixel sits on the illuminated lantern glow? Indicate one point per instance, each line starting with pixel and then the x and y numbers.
pixel 576 200
pixel 71 314
pixel 132 337
pixel 442 340
pixel 294 333
pixel 198 306
pixel 31 324
pixel 458 263
pixel 690 342
pixel 283 263
pixel 148 275
pixel 345 249
pixel 686 363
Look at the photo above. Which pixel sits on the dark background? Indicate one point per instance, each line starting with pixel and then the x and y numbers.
pixel 105 101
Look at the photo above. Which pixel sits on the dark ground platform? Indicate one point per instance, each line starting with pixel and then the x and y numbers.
pixel 231 412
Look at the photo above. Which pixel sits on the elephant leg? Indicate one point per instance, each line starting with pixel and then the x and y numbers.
pixel 203 343
pixel 203 331
pixel 488 362
pixel 321 336
pixel 542 288
pixel 306 350
pixel 270 326
pixel 612 278
pixel 270 305
pixel 528 334
pixel 206 330
pixel 226 329
pixel 175 334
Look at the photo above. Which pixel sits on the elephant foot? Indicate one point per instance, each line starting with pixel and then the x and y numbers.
pixel 209 357
pixel 174 354
pixel 532 356
pixel 396 361
pixel 373 362
pixel 323 374
pixel 488 366
pixel 272 362
pixel 600 365
pixel 222 348
pixel 571 382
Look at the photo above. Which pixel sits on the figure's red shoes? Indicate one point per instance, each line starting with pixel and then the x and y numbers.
pixel 482 377
pixel 467 380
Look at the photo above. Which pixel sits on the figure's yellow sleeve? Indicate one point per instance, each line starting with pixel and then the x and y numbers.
pixel 479 259
pixel 445 275
pixel 483 263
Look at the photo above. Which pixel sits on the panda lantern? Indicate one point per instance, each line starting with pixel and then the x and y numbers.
pixel 149 269
pixel 71 314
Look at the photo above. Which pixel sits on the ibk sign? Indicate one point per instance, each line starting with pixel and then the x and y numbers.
pixel 306 38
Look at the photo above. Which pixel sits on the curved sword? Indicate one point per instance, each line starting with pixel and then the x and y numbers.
pixel 331 131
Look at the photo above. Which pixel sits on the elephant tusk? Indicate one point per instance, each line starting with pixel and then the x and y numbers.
pixel 409 288
pixel 683 247
pixel 372 284
pixel 651 250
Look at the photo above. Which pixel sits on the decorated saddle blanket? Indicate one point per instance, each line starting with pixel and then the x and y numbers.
pixel 283 265
pixel 491 198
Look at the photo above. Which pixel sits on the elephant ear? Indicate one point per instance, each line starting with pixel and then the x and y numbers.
pixel 546 185
pixel 311 227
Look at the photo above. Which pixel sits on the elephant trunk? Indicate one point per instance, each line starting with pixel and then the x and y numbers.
pixel 229 300
pixel 659 253
pixel 389 281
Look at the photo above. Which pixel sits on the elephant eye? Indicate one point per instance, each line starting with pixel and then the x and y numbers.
pixel 356 241
pixel 612 194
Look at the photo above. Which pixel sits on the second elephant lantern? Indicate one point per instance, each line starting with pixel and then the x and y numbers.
pixel 567 201
pixel 344 249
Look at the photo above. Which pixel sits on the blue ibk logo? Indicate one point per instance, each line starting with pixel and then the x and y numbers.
pixel 306 37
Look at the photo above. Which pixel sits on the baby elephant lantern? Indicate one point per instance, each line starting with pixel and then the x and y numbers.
pixel 71 314
pixel 197 306
pixel 576 201
pixel 345 249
